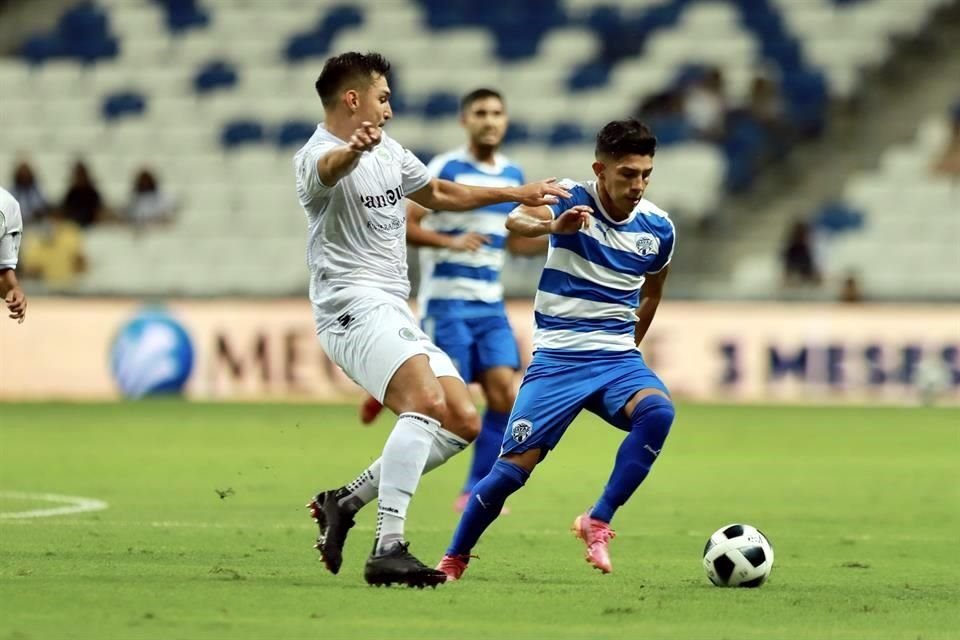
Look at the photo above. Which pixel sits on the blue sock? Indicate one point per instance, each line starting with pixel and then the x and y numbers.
pixel 485 504
pixel 650 424
pixel 486 448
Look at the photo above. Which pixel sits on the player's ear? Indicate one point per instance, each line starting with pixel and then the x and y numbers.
pixel 598 168
pixel 351 98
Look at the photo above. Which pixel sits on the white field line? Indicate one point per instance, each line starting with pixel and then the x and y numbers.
pixel 72 504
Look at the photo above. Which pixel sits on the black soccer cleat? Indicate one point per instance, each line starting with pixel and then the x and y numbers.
pixel 335 523
pixel 399 566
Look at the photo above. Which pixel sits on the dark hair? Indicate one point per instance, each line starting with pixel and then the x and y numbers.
pixel 626 137
pixel 479 94
pixel 341 70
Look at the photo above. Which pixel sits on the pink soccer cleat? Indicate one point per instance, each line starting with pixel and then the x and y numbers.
pixel 454 566
pixel 370 409
pixel 595 534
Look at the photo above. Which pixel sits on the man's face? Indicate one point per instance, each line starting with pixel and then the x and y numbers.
pixel 625 179
pixel 373 102
pixel 485 121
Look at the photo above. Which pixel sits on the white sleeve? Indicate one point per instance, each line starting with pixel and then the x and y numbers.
pixel 11 226
pixel 414 174
pixel 306 167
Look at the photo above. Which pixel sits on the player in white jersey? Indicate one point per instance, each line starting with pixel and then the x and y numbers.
pixel 11 232
pixel 352 179
pixel 608 260
pixel 461 257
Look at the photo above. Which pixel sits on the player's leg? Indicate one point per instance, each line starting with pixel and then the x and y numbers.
pixel 638 403
pixel 497 359
pixel 498 389
pixel 388 355
pixel 451 336
pixel 546 405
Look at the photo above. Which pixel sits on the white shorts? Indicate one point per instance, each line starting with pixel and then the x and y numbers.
pixel 374 344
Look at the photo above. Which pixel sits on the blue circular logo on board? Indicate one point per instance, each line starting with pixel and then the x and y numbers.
pixel 152 354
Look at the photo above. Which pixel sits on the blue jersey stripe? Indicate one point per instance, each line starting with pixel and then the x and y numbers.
pixel 583 324
pixel 591 249
pixel 564 284
pixel 445 308
pixel 454 270
pixel 493 241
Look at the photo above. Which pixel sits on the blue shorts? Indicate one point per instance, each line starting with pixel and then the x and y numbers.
pixel 556 387
pixel 474 344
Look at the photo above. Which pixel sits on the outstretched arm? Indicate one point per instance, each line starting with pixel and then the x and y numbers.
pixel 417 236
pixel 340 161
pixel 650 296
pixel 444 195
pixel 521 246
pixel 533 222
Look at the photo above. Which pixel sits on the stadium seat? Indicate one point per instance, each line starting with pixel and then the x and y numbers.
pixel 113 73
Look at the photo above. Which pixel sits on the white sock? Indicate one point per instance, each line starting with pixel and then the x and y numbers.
pixel 363 490
pixel 445 445
pixel 404 458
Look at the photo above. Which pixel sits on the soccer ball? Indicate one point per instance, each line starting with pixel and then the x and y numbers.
pixel 738 555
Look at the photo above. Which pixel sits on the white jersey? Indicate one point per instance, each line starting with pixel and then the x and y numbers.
pixel 356 246
pixel 11 230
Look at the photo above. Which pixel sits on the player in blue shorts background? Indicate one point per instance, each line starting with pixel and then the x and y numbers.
pixel 608 260
pixel 461 256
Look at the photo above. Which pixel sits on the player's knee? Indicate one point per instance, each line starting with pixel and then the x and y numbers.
pixel 428 402
pixel 654 414
pixel 501 398
pixel 463 420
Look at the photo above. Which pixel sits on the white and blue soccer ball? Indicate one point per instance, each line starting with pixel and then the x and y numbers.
pixel 738 555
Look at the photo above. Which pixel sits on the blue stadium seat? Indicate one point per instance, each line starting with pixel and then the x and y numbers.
pixel 441 105
pixel 806 94
pixel 295 133
pixel 316 42
pixel 517 132
pixel 241 132
pixel 183 15
pixel 743 145
pixel 425 155
pixel 82 33
pixel 566 133
pixel 838 217
pixel 215 75
pixel 589 76
pixel 671 130
pixel 121 105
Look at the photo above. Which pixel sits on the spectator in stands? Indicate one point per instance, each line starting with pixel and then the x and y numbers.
pixel 799 263
pixel 767 107
pixel 705 105
pixel 26 189
pixel 53 251
pixel 850 290
pixel 83 204
pixel 148 204
pixel 948 163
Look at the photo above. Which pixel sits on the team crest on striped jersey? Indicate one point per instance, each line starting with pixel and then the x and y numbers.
pixel 647 244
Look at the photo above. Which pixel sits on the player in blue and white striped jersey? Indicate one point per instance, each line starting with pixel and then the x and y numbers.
pixel 609 254
pixel 461 256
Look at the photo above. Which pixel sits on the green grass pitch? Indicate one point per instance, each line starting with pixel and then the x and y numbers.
pixel 862 506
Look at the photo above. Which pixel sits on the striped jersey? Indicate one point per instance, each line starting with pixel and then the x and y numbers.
pixel 590 286
pixel 464 283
